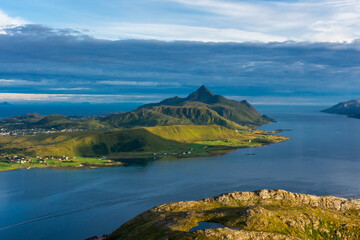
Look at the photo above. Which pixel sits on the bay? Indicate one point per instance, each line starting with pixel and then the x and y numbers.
pixel 322 158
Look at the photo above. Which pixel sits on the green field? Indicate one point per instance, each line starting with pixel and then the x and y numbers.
pixel 78 162
pixel 122 145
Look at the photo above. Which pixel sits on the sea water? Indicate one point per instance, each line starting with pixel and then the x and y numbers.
pixel 322 158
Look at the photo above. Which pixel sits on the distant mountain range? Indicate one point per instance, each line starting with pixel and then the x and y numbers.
pixel 201 107
pixel 350 108
pixel 48 122
pixel 5 104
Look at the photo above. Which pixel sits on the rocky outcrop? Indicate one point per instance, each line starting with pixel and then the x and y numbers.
pixel 296 199
pixel 264 214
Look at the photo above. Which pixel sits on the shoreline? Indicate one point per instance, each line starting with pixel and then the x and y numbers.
pixel 132 160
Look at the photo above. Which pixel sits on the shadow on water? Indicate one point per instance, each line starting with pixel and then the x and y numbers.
pixel 209 225
pixel 143 162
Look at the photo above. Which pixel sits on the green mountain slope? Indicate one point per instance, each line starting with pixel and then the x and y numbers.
pixel 170 115
pixel 89 143
pixel 264 214
pixel 26 118
pixel 201 107
pixel 196 133
pixel 49 122
pixel 136 142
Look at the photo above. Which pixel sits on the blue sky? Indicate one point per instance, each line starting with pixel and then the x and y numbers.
pixel 201 20
pixel 273 52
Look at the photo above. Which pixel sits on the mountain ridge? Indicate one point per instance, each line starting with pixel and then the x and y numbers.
pixel 5 104
pixel 349 108
pixel 201 107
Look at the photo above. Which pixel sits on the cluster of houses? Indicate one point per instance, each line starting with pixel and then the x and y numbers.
pixel 61 159
pixel 176 154
pixel 13 158
pixel 33 131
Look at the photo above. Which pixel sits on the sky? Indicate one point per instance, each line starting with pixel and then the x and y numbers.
pixel 265 51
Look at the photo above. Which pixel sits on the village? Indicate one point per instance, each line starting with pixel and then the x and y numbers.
pixel 14 158
pixel 33 131
pixel 177 154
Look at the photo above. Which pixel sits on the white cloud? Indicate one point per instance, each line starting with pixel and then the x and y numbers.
pixel 137 83
pixel 230 21
pixel 272 100
pixel 180 32
pixel 69 89
pixel 76 98
pixel 17 82
pixel 7 22
pixel 306 20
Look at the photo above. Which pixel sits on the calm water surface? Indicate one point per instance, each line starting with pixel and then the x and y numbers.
pixel 323 158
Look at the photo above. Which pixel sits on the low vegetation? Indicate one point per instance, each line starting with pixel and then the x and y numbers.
pixel 265 214
pixel 12 162
pixel 152 142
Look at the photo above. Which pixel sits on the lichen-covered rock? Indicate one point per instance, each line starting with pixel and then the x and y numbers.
pixel 264 214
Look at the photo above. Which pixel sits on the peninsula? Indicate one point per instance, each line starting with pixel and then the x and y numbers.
pixel 201 124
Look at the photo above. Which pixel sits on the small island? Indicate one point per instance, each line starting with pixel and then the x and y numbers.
pixel 202 124
pixel 264 214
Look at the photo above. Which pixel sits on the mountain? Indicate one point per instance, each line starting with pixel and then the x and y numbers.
pixel 201 107
pixel 264 214
pixel 5 104
pixel 350 108
pixel 26 118
pixel 49 122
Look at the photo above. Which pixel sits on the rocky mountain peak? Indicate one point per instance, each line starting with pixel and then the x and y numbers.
pixel 202 94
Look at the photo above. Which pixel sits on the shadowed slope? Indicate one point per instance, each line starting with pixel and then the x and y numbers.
pixel 170 115
pixel 135 142
pixel 201 107
pixel 350 108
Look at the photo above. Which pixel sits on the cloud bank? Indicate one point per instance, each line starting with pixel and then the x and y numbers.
pixel 303 20
pixel 65 64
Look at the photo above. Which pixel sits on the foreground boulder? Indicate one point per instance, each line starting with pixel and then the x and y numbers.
pixel 264 214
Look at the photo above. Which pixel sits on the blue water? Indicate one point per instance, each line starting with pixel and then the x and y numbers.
pixel 207 225
pixel 323 158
